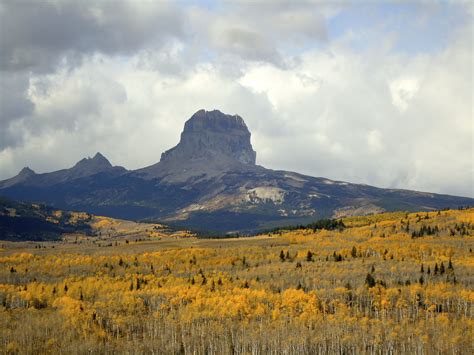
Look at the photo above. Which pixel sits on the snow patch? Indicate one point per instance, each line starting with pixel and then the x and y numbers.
pixel 266 194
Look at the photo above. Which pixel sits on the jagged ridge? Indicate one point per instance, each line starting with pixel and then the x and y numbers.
pixel 210 180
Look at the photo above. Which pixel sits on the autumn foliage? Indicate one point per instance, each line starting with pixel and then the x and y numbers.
pixel 377 286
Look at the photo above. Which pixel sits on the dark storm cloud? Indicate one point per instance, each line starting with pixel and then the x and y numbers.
pixel 37 37
pixel 14 105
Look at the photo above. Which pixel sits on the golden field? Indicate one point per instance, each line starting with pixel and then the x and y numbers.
pixel 387 283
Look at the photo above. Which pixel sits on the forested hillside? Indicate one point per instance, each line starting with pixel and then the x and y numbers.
pixel 387 283
pixel 37 222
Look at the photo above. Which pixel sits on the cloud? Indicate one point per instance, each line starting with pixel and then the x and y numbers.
pixel 402 91
pixel 260 31
pixel 37 37
pixel 381 118
pixel 41 38
pixel 14 105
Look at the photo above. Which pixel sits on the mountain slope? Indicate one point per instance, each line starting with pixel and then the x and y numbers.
pixel 20 221
pixel 210 181
pixel 35 222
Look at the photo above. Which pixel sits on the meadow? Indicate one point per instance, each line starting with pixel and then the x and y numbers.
pixel 386 283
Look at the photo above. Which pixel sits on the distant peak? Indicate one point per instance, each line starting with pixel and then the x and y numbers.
pixel 98 155
pixel 26 171
pixel 97 163
pixel 212 134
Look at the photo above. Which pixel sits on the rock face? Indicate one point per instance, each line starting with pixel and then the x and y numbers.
pixel 25 174
pixel 213 135
pixel 83 168
pixel 90 166
pixel 210 181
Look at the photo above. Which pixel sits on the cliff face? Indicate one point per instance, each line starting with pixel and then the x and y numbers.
pixel 210 181
pixel 213 134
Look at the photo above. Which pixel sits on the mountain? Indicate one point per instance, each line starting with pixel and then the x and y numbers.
pixel 210 181
pixel 34 222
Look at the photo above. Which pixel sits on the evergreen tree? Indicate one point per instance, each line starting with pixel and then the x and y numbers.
pixel 441 269
pixel 370 281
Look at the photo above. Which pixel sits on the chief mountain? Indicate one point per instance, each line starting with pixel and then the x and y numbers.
pixel 210 181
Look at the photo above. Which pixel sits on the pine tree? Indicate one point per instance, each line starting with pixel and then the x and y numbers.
pixel 450 265
pixel 282 256
pixel 309 256
pixel 370 281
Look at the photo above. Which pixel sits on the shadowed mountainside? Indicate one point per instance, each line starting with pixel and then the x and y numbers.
pixel 210 181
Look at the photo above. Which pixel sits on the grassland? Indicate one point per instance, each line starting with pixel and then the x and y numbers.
pixel 387 283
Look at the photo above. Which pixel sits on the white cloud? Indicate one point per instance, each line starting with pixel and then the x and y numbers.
pixel 403 90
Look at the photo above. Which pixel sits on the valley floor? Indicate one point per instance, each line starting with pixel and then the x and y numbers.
pixel 388 283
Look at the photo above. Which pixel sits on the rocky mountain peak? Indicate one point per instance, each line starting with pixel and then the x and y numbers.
pixel 95 164
pixel 215 135
pixel 26 171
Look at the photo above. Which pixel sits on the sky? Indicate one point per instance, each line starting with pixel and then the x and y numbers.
pixel 373 92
